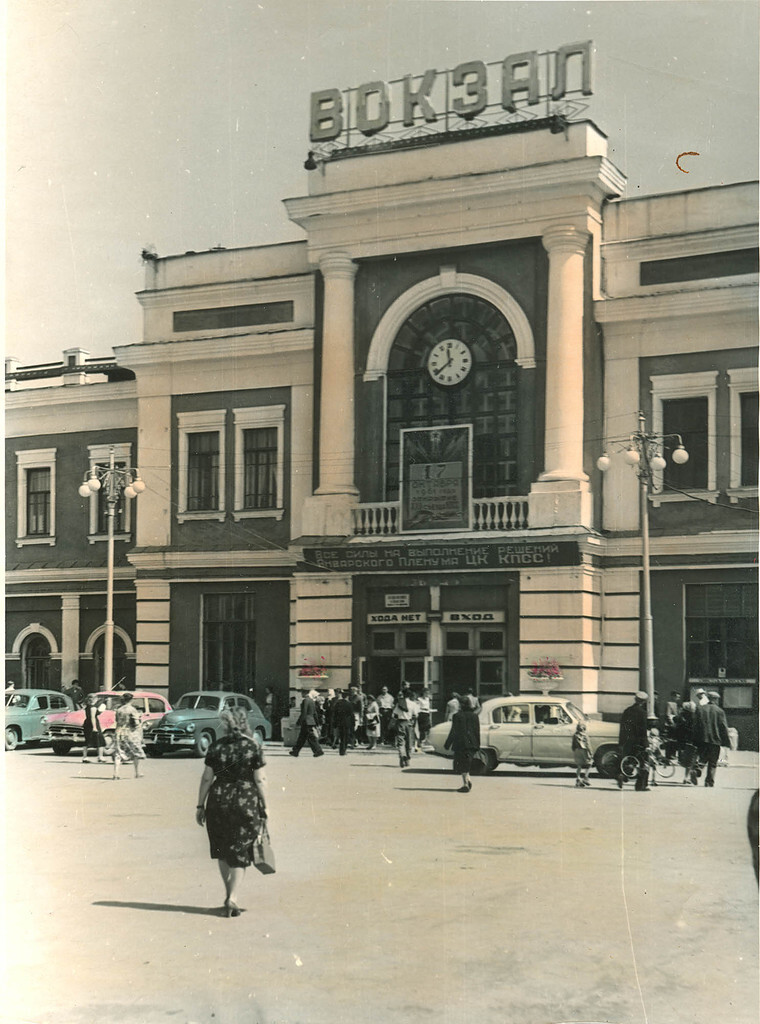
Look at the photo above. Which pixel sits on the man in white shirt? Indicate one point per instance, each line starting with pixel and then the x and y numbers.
pixel 385 703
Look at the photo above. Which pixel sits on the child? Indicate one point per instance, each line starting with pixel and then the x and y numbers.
pixel 582 755
pixel 654 750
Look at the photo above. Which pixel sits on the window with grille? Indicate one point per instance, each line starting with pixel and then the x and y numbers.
pixel 203 471
pixel 260 468
pixel 38 502
pixel 487 397
pixel 229 642
pixel 721 630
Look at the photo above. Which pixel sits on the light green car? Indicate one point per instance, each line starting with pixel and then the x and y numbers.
pixel 533 730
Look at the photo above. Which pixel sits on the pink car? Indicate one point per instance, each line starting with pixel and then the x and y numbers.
pixel 66 730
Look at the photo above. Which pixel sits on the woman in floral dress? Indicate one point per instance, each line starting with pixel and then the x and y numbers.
pixel 232 801
pixel 129 736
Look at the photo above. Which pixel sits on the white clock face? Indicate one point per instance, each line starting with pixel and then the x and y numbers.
pixel 449 362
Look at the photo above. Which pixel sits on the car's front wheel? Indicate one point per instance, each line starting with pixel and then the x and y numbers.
pixel 153 751
pixel 202 742
pixel 61 748
pixel 12 738
pixel 607 761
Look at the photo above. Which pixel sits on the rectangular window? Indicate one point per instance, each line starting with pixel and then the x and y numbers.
pixel 749 447
pixel 685 404
pixel 35 497
pixel 201 442
pixel 229 642
pixel 102 504
pixel 721 631
pixel 99 460
pixel 260 468
pixel 259 462
pixel 687 417
pixel 203 471
pixel 37 502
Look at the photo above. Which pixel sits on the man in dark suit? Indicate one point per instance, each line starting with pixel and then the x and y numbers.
pixel 712 734
pixel 308 721
pixel 633 739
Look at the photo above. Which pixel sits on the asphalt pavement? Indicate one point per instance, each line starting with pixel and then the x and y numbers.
pixel 397 900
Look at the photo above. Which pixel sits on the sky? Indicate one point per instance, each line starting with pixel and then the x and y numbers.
pixel 183 124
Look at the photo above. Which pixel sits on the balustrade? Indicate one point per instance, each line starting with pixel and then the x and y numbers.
pixel 501 515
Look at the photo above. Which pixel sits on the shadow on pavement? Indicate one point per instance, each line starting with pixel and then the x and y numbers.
pixel 171 907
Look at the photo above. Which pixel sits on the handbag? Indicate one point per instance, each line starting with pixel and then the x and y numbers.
pixel 263 854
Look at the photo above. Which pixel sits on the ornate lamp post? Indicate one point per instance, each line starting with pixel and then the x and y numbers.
pixel 115 480
pixel 645 453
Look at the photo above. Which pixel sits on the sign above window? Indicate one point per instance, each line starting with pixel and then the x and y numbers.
pixel 522 87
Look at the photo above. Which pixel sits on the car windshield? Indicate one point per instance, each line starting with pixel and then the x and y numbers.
pixel 17 700
pixel 576 712
pixel 202 701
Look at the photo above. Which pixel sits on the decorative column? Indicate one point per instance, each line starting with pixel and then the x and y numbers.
pixel 336 420
pixel 561 497
pixel 69 637
pixel 328 512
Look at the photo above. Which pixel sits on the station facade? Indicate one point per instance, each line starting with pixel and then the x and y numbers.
pixel 371 456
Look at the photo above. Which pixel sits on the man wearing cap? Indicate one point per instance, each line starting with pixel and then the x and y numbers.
pixel 633 739
pixel 700 698
pixel 712 734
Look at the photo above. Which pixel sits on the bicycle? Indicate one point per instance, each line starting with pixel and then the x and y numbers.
pixel 632 764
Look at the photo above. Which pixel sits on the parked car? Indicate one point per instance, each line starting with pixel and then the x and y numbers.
pixel 25 712
pixel 194 723
pixel 533 730
pixel 67 730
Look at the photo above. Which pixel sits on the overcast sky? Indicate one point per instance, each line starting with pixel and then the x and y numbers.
pixel 182 124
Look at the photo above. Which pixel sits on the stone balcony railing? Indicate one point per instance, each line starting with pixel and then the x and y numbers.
pixel 498 515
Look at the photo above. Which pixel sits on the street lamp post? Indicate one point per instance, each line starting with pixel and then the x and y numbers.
pixel 645 453
pixel 114 480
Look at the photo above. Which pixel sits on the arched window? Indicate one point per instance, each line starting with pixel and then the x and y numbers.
pixel 35 662
pixel 483 391
pixel 121 668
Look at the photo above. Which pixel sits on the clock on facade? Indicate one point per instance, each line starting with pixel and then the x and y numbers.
pixel 449 362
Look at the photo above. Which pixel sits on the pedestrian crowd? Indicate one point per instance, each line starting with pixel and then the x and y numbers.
pixel 690 734
pixel 349 719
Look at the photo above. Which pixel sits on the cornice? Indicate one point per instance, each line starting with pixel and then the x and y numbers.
pixel 715 240
pixel 595 173
pixel 18 577
pixel 264 289
pixel 164 350
pixel 728 542
pixel 168 561
pixel 72 395
pixel 687 303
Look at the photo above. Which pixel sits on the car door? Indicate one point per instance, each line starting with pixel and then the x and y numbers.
pixel 38 708
pixel 509 731
pixel 552 733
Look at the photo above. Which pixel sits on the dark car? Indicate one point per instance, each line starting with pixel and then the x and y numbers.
pixel 25 711
pixel 194 723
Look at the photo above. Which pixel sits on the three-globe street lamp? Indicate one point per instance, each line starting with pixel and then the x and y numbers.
pixel 115 481
pixel 645 453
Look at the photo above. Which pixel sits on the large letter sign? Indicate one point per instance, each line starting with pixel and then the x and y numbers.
pixel 326 115
pixel 419 98
pixel 510 84
pixel 476 89
pixel 366 124
pixel 527 79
